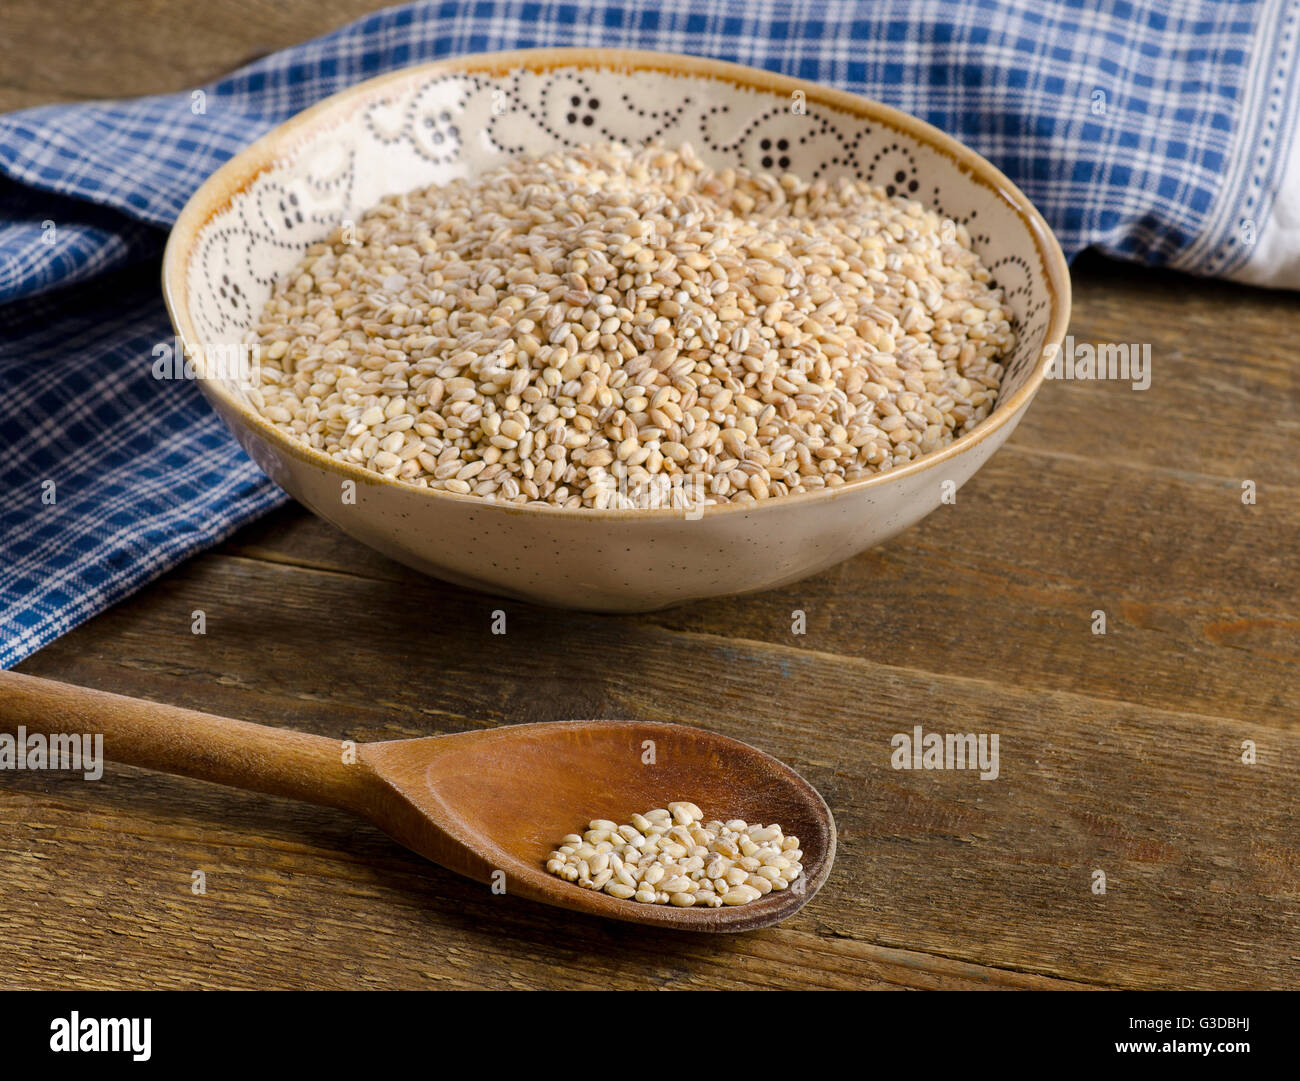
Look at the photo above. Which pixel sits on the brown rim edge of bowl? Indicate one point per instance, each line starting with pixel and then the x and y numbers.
pixel 215 193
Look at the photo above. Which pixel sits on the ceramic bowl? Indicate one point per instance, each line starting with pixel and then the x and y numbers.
pixel 251 220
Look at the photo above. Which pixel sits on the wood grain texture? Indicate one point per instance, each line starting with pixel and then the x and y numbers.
pixel 1199 849
pixel 65 50
pixel 1120 753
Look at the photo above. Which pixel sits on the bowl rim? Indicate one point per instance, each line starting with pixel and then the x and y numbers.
pixel 243 169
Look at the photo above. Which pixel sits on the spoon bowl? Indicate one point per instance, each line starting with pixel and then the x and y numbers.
pixel 485 804
pixel 501 799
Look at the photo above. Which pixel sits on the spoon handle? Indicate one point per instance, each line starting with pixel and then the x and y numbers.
pixel 184 741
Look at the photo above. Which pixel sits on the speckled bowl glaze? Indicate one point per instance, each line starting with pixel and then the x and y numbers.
pixel 249 223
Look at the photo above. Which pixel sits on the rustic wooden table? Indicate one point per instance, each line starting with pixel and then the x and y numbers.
pixel 1120 753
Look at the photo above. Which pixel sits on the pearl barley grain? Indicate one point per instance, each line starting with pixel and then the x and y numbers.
pixel 671 856
pixel 609 327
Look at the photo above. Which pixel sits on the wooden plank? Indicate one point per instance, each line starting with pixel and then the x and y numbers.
pixel 1199 591
pixel 302 898
pixel 53 50
pixel 1178 433
pixel 1199 849
pixel 1211 417
pixel 1224 398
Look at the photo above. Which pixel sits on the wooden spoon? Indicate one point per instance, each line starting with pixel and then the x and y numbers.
pixel 478 803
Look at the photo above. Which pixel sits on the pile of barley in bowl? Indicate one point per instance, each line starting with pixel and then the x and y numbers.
pixel 613 328
pixel 670 856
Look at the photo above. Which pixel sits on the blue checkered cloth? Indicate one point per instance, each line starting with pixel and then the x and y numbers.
pixel 1155 130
